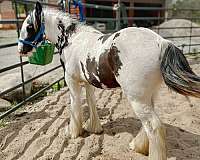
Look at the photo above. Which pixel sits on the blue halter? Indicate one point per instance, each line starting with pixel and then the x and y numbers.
pixel 38 37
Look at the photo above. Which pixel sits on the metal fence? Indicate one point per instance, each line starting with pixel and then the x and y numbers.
pixel 157 20
pixel 22 63
pixel 116 19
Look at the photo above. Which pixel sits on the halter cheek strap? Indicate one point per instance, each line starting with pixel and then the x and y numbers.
pixel 38 37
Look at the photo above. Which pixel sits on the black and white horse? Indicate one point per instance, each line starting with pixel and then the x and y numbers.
pixel 135 59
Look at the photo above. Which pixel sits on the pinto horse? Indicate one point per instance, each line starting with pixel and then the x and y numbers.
pixel 135 59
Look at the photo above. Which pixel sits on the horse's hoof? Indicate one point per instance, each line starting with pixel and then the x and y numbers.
pixel 93 127
pixel 138 148
pixel 132 145
pixel 73 133
pixel 67 132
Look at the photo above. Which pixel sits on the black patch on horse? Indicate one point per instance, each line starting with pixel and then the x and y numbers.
pixel 116 35
pixel 105 70
pixel 91 67
pixel 64 35
pixel 104 37
pixel 106 74
pixel 114 60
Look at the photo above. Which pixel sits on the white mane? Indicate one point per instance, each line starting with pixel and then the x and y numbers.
pixel 67 19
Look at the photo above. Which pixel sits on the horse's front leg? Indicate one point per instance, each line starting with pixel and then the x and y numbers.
pixel 75 126
pixel 93 124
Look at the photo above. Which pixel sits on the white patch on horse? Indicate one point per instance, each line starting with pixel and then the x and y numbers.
pixel 104 86
pixel 97 77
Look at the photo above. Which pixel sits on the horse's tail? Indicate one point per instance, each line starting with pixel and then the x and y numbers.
pixel 177 73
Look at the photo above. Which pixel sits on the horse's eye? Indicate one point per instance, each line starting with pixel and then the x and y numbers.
pixel 30 28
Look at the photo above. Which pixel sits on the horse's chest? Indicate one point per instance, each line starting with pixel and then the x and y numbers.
pixel 102 73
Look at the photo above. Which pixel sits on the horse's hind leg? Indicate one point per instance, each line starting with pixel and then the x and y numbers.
pixel 75 126
pixel 140 143
pixel 93 124
pixel 154 130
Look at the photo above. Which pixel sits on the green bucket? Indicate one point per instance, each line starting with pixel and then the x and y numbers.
pixel 43 54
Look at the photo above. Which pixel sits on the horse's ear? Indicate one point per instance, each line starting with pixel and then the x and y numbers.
pixel 38 12
pixel 38 8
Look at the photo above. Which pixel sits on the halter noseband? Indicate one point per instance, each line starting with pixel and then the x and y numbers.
pixel 38 37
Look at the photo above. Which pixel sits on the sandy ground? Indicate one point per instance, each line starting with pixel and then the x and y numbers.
pixel 39 132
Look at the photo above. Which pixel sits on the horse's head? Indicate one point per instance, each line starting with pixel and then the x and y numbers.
pixel 32 30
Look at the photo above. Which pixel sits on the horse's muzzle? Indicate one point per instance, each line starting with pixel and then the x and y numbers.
pixel 24 50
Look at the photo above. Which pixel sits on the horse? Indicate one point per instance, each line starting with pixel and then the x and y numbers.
pixel 136 59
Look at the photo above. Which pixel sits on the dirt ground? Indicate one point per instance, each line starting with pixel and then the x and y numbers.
pixel 38 133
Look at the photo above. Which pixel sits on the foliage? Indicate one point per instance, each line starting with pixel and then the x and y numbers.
pixel 22 8
pixel 2 123
pixel 57 86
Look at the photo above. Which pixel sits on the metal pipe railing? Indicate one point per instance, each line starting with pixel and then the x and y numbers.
pixel 33 2
pixel 28 81
pixel 17 21
pixel 10 21
pixel 139 18
pixel 8 45
pixel 194 27
pixel 13 66
pixel 28 99
pixel 168 37
pixel 18 34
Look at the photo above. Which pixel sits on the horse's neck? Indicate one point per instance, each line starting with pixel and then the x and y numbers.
pixel 52 22
pixel 51 30
pixel 61 29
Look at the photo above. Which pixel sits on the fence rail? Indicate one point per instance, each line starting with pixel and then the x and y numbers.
pixel 116 9
pixel 10 21
pixel 33 2
pixel 28 99
pixel 8 45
